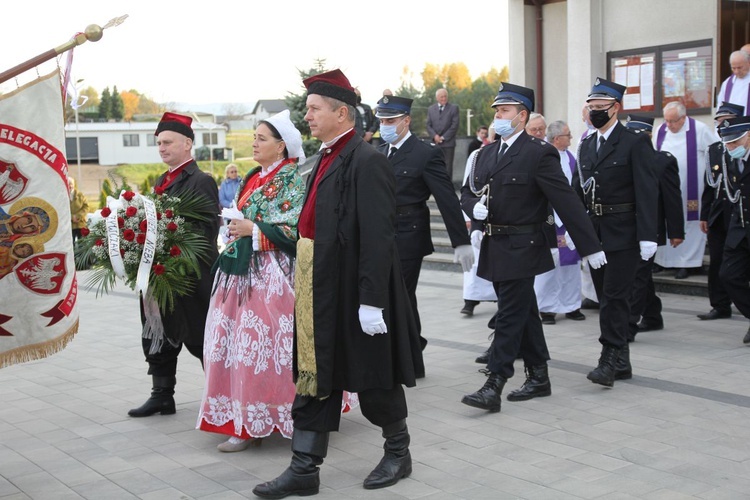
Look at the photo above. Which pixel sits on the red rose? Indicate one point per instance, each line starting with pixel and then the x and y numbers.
pixel 85 231
pixel 158 215
pixel 172 227
pixel 106 211
pixel 140 238
pixel 169 213
pixel 143 226
pixel 286 206
pixel 99 243
pixel 159 190
pixel 122 252
pixel 131 211
pixel 128 195
pixel 158 269
pixel 120 222
pixel 175 251
pixel 128 235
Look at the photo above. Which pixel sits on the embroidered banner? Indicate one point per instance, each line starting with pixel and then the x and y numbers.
pixel 38 286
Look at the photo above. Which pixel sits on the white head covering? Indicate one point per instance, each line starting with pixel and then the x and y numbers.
pixel 289 134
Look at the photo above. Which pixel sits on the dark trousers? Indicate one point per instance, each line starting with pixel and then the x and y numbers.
pixel 644 303
pixel 449 153
pixel 380 406
pixel 164 362
pixel 614 287
pixel 410 269
pixel 717 294
pixel 518 328
pixel 735 273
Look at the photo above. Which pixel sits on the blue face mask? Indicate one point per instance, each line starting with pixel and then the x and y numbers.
pixel 737 153
pixel 503 127
pixel 389 133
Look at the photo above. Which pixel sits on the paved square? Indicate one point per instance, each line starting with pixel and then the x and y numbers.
pixel 679 429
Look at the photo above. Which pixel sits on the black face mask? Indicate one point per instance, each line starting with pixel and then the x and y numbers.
pixel 599 117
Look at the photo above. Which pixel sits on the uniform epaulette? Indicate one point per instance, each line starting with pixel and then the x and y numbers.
pixel 537 141
pixel 633 131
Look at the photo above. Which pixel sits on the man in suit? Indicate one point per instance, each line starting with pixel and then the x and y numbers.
pixel 716 211
pixel 165 334
pixel 735 266
pixel 644 303
pixel 518 177
pixel 620 189
pixel 365 124
pixel 442 126
pixel 420 172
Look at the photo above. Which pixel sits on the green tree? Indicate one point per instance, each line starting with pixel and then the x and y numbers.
pixel 118 108
pixel 297 108
pixel 105 105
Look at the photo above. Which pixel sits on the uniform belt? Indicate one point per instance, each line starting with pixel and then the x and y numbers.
pixel 491 229
pixel 405 209
pixel 600 210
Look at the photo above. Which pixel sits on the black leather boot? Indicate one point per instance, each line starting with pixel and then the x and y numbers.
pixel 396 462
pixel 302 477
pixel 536 386
pixel 489 396
pixel 483 358
pixel 604 373
pixel 623 370
pixel 161 400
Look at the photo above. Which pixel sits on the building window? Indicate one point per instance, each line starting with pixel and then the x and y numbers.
pixel 150 140
pixel 655 76
pixel 130 140
pixel 210 139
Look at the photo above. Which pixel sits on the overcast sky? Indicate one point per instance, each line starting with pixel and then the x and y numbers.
pixel 241 50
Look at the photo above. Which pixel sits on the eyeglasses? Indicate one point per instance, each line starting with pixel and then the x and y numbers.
pixel 537 130
pixel 670 122
pixel 569 136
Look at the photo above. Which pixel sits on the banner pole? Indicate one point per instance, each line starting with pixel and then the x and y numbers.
pixel 92 33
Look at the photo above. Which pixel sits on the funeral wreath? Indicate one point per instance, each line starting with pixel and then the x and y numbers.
pixel 146 241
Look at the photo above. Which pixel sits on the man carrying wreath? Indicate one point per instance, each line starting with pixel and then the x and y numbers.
pixel 164 334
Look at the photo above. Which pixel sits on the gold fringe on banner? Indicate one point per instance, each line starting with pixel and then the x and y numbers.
pixel 307 370
pixel 38 351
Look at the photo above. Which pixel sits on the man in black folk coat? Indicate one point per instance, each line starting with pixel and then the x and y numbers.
pixel 185 325
pixel 420 172
pixel 617 183
pixel 716 211
pixel 644 303
pixel 519 177
pixel 353 326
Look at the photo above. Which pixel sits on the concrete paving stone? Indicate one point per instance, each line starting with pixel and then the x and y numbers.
pixel 224 495
pixel 166 494
pixel 190 482
pixel 137 481
pixel 580 489
pixel 7 488
pixel 43 485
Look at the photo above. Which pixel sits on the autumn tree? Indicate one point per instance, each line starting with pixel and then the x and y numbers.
pixel 130 101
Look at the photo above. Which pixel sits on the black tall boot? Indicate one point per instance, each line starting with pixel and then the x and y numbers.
pixel 302 477
pixel 488 397
pixel 604 373
pixel 161 400
pixel 396 462
pixel 623 370
pixel 536 386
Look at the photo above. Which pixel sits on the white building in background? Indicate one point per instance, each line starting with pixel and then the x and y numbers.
pixel 663 51
pixel 116 143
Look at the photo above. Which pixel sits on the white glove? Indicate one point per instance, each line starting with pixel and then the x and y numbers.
pixel 464 254
pixel 569 242
pixel 232 213
pixel 648 249
pixel 596 260
pixel 476 238
pixel 371 320
pixel 480 212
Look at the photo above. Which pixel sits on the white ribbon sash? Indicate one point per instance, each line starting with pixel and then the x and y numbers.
pixel 149 246
pixel 113 237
